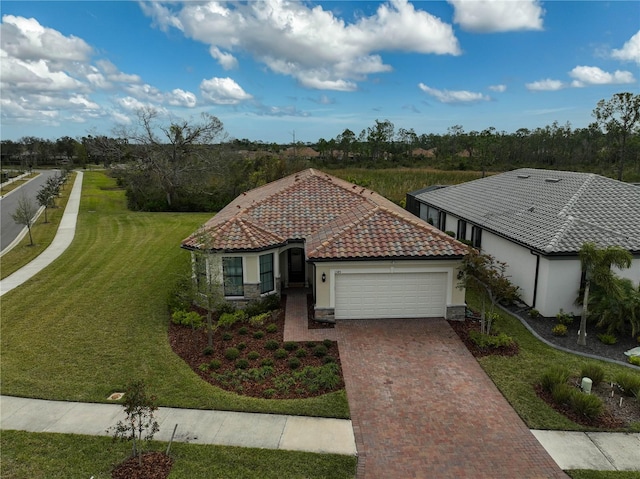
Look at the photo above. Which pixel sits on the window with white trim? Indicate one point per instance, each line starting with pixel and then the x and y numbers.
pixel 232 276
pixel 462 230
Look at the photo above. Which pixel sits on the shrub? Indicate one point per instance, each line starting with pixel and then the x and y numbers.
pixel 208 351
pixel 301 353
pixel 263 305
pixel 310 344
pixel 592 371
pixel 203 367
pixel 559 330
pixel 267 362
pixel 227 320
pixel 226 307
pixel 587 405
pixel 241 346
pixel 635 360
pixel 562 393
pixel 450 233
pixel 290 345
pixel 320 351
pixel 272 328
pixel 564 318
pixel 534 313
pixel 328 359
pixel 269 393
pixel 553 376
pixel 259 319
pixel 629 383
pixel 243 330
pixel 487 341
pixel 215 364
pixel 294 363
pixel 185 318
pixel 327 343
pixel 271 345
pixel 227 336
pixel 232 353
pixel 242 363
pixel 607 339
pixel 258 334
pixel 280 353
pixel 253 355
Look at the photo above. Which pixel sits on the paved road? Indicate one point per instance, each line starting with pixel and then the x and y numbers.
pixel 9 229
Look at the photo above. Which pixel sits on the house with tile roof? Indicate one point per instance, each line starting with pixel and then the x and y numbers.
pixel 536 221
pixel 361 255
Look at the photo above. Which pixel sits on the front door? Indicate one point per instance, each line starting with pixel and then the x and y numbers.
pixel 296 265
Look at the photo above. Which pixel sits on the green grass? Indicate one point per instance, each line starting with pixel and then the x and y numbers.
pixel 39 455
pixel 516 375
pixel 589 474
pixel 43 234
pixel 16 184
pixel 96 318
pixel 395 183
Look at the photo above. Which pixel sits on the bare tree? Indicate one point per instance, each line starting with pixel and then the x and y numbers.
pixel 25 213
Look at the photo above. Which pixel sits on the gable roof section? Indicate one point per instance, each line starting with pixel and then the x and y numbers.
pixel 554 212
pixel 337 219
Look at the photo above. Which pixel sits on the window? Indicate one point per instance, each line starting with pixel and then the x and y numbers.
pixel 200 267
pixel 476 237
pixel 266 273
pixel 232 273
pixel 429 214
pixel 442 221
pixel 462 230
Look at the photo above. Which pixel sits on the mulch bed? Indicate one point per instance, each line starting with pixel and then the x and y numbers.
pixel 462 329
pixel 155 465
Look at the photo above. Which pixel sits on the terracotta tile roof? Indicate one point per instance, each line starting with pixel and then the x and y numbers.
pixel 336 219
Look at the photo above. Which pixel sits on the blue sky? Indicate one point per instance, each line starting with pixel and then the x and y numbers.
pixel 270 68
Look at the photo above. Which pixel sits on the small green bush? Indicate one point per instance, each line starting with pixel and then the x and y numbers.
pixel 487 341
pixel 232 353
pixel 267 362
pixel 241 346
pixel 586 405
pixel 280 353
pixel 320 351
pixel 226 307
pixel 328 359
pixel 203 367
pixel 554 376
pixel 629 383
pixel 215 364
pixel 253 355
pixel 561 393
pixel 227 336
pixel 301 353
pixel 258 334
pixel 534 313
pixel 227 320
pixel 564 318
pixel 592 371
pixel 269 393
pixel 290 345
pixel 450 233
pixel 310 344
pixel 263 305
pixel 635 360
pixel 327 343
pixel 294 363
pixel 187 318
pixel 259 319
pixel 607 339
pixel 559 330
pixel 272 345
pixel 242 363
pixel 208 351
pixel 243 330
pixel 272 328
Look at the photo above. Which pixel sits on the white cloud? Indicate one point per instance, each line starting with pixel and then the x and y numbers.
pixel 488 16
pixel 545 85
pixel 180 97
pixel 630 51
pixel 223 91
pixel 310 44
pixel 498 88
pixel 584 76
pixel 453 96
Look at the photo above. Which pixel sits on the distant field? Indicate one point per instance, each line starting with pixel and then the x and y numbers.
pixel 395 183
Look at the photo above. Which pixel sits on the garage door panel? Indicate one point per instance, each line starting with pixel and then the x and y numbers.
pixel 387 295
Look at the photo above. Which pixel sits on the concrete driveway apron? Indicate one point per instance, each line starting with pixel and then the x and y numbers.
pixel 422 407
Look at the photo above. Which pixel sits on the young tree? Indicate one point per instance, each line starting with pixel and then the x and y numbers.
pixel 45 198
pixel 596 266
pixel 24 214
pixel 489 275
pixel 140 424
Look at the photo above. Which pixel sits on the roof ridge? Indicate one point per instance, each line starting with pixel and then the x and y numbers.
pixel 576 196
pixel 246 224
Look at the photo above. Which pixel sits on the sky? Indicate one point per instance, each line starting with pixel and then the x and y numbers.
pixel 275 70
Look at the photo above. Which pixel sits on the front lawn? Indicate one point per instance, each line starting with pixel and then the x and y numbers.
pixel 97 317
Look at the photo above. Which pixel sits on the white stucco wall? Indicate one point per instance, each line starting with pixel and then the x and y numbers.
pixel 633 273
pixel 558 285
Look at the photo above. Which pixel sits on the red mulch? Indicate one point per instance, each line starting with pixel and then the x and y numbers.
pixel 155 465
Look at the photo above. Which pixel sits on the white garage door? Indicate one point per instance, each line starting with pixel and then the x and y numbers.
pixel 386 295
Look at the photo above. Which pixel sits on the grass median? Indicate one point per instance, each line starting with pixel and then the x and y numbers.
pixel 97 317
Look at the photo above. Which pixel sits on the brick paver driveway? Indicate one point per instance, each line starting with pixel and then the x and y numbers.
pixel 422 407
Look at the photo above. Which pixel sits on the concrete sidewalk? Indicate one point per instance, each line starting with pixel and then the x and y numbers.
pixel 64 237
pixel 225 428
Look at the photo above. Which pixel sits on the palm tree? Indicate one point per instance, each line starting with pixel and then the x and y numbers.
pixel 615 313
pixel 596 265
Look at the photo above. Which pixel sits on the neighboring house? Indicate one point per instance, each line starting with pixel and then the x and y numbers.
pixel 536 221
pixel 362 255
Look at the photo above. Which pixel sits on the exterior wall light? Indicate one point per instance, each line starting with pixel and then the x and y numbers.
pixel 324 277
